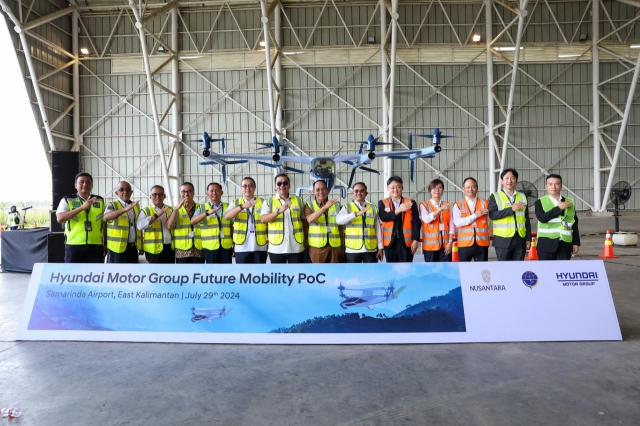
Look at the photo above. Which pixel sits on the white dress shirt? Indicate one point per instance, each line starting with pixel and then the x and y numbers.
pixel 343 218
pixel 458 220
pixel 144 222
pixel 249 244
pixel 289 244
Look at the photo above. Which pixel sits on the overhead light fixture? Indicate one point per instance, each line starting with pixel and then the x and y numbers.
pixel 583 37
pixel 190 57
pixel 635 46
pixel 292 53
pixel 262 43
pixel 569 55
pixel 507 48
pixel 161 49
pixel 84 50
pixel 476 38
pixel 371 40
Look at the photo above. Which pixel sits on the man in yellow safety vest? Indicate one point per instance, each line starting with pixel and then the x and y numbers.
pixel 124 240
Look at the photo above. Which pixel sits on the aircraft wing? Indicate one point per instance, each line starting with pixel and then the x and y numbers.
pixel 349 157
pixel 383 154
pixel 209 310
pixel 295 159
pixel 231 158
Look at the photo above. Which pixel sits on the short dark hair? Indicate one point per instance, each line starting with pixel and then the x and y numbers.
pixel 85 174
pixel 512 171
pixel 214 183
pixel 320 180
pixel 553 176
pixel 394 179
pixel 359 183
pixel 157 186
pixel 435 183
pixel 470 178
pixel 193 188
pixel 275 180
pixel 249 178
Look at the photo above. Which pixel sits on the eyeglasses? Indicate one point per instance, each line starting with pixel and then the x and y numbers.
pixel 124 190
pixel 359 191
pixel 188 191
pixel 321 189
pixel 248 186
pixel 157 194
pixel 282 183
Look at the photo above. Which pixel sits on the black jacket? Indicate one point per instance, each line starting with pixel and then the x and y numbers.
pixel 416 223
pixel 495 214
pixel 549 245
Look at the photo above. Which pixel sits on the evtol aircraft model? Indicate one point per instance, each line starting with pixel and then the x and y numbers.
pixel 368 296
pixel 320 168
pixel 429 152
pixel 208 314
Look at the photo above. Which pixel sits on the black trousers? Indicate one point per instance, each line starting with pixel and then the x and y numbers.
pixel 516 250
pixel 246 257
pixel 166 256
pixel 129 255
pixel 562 253
pixel 287 257
pixel 86 253
pixel 222 255
pixel 398 252
pixel 475 252
pixel 436 256
pixel 367 257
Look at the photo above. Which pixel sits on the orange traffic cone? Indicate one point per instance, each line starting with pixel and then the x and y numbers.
pixel 454 251
pixel 1 230
pixel 533 251
pixel 607 251
pixel 35 224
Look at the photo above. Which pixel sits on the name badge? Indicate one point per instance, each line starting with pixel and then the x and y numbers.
pixel 328 230
pixel 185 215
pixel 442 226
pixel 87 226
pixel 387 209
pixel 221 234
pixel 463 211
pixel 333 214
pixel 190 234
pixel 295 208
pixel 76 204
pixel 96 204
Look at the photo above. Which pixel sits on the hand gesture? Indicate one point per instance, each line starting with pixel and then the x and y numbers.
pixel 161 211
pixel 445 206
pixel 481 212
pixel 212 211
pixel 517 206
pixel 130 206
pixel 564 204
pixel 249 204
pixel 179 205
pixel 88 203
pixel 364 211
pixel 331 202
pixel 284 207
pixel 404 207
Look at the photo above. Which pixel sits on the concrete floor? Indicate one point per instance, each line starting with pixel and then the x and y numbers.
pixel 572 383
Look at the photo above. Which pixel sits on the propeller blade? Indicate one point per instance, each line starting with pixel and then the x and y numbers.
pixel 273 166
pixel 292 169
pixel 411 168
pixel 237 161
pixel 410 141
pixel 348 162
pixel 353 173
pixel 224 176
pixel 369 170
pixel 399 157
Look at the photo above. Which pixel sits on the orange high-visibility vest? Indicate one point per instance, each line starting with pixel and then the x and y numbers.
pixel 433 239
pixel 387 227
pixel 465 233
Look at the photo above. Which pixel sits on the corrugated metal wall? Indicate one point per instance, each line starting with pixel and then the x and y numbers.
pixel 545 133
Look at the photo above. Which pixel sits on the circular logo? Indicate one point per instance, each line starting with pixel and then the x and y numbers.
pixel 530 279
pixel 486 276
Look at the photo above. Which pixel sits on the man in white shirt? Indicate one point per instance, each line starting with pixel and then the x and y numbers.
pixel 363 238
pixel 249 233
pixel 284 215
pixel 470 217
pixel 152 221
pixel 124 242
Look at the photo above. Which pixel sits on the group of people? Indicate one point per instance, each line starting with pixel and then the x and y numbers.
pixel 284 229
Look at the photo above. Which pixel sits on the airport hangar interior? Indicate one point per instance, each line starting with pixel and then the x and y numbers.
pixel 540 86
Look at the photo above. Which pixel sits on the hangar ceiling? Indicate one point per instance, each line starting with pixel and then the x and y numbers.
pixel 548 88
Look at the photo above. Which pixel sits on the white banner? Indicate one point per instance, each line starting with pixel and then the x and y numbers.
pixel 321 304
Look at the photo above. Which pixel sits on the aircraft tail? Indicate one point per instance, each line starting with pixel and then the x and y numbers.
pixel 227 312
pixel 398 291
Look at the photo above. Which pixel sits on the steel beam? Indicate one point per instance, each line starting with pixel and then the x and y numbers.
pixel 489 128
pixel 76 81
pixel 176 161
pixel 267 52
pixel 20 28
pixel 384 131
pixel 514 76
pixel 154 108
pixel 595 125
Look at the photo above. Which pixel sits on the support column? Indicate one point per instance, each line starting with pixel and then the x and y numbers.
pixel 277 24
pixel 267 52
pixel 490 127
pixel 392 67
pixel 595 65
pixel 76 81
pixel 152 99
pixel 514 76
pixel 176 122
pixel 387 169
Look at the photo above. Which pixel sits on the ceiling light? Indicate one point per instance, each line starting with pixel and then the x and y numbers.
pixel 84 50
pixel 635 46
pixel 160 48
pixel 190 57
pixel 371 40
pixel 262 43
pixel 569 55
pixel 583 37
pixel 507 48
pixel 292 53
pixel 476 38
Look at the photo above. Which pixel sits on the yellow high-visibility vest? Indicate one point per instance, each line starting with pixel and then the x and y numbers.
pixel 153 241
pixel 118 229
pixel 75 230
pixel 276 227
pixel 361 231
pixel 215 231
pixel 241 223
